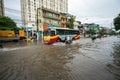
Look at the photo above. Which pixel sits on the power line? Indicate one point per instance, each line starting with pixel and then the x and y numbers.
pixel 10 9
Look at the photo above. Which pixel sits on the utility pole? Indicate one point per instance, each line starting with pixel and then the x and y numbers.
pixel 39 21
pixel 37 25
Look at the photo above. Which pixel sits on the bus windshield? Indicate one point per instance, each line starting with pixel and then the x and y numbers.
pixel 52 33
pixel 49 32
pixel 46 33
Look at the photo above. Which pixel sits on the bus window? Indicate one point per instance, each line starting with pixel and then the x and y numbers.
pixel 76 32
pixel 70 32
pixel 52 33
pixel 66 32
pixel 60 32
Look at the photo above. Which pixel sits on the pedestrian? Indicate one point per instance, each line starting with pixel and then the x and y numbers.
pixel 99 36
pixel 34 36
pixel 68 40
pixel 93 37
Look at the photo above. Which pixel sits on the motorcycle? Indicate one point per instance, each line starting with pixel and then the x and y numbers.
pixel 68 40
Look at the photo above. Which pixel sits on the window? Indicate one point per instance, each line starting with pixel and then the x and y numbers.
pixel 60 32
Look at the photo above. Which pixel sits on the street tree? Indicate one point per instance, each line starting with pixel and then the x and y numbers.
pixel 102 32
pixel 7 23
pixel 91 31
pixel 117 22
pixel 70 22
pixel 112 32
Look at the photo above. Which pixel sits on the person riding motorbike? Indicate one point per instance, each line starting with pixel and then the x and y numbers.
pixel 68 40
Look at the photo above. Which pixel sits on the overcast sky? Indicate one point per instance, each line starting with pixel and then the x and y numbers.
pixel 97 11
pixel 91 11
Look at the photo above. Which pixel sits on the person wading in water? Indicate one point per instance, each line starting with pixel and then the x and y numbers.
pixel 93 37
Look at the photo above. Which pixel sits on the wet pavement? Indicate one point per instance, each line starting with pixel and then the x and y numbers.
pixel 82 60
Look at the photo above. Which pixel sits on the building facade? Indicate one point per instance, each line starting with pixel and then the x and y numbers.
pixel 1 8
pixel 47 18
pixel 63 20
pixel 29 10
pixel 77 25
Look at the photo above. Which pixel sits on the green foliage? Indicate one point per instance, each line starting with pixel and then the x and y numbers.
pixel 102 32
pixel 112 32
pixel 70 23
pixel 117 22
pixel 4 28
pixel 22 28
pixel 91 31
pixel 7 23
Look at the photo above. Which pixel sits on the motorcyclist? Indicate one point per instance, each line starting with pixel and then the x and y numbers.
pixel 68 40
pixel 93 37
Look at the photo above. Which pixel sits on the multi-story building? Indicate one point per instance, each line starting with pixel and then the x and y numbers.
pixel 63 20
pixel 77 25
pixel 29 9
pixel 1 8
pixel 47 18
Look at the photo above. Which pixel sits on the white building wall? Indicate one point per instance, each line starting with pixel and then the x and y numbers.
pixel 76 24
pixel 29 8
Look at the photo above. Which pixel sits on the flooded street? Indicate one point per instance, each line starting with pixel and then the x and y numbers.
pixel 82 60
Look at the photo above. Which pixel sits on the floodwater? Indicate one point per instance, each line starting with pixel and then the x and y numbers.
pixel 82 60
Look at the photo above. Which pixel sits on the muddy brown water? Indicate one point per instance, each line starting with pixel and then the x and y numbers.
pixel 82 60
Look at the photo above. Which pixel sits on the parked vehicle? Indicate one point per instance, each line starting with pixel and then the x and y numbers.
pixel 10 35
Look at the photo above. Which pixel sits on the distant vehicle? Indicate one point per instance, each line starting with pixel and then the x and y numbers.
pixel 52 35
pixel 104 35
pixel 96 35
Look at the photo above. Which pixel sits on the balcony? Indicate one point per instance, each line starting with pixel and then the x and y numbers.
pixel 50 14
pixel 51 11
pixel 63 22
pixel 63 17
pixel 51 17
